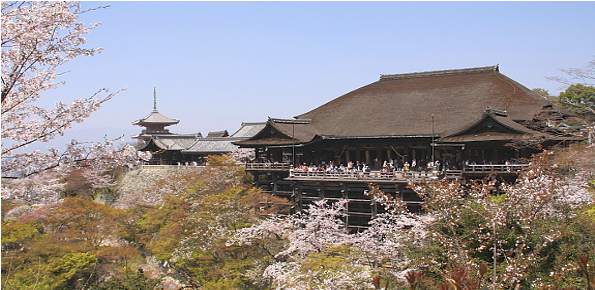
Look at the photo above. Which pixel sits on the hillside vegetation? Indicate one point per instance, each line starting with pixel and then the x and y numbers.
pixel 209 229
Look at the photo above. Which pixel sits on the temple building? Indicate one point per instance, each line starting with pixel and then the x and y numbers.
pixel 462 123
pixel 185 149
pixel 454 116
pixel 456 124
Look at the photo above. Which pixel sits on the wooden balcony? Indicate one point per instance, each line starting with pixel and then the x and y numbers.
pixel 268 167
pixel 374 176
pixel 495 168
pixel 170 167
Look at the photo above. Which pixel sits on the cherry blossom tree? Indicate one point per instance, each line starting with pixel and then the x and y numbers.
pixel 582 75
pixel 578 97
pixel 243 155
pixel 37 38
pixel 516 228
pixel 317 250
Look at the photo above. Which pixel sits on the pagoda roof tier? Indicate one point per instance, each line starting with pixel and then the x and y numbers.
pixel 155 118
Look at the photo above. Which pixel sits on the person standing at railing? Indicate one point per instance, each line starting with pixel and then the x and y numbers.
pixel 429 166
pixel 385 166
pixel 366 168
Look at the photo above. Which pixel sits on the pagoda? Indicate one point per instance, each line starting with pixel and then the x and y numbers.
pixel 168 148
pixel 155 123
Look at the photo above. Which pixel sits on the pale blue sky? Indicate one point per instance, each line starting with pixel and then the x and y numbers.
pixel 216 64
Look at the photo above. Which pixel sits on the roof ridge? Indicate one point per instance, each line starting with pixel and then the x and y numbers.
pixel 442 72
pixel 290 121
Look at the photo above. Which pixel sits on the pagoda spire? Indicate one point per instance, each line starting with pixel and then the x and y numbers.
pixel 154 99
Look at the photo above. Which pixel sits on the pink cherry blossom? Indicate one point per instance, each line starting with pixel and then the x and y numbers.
pixel 37 38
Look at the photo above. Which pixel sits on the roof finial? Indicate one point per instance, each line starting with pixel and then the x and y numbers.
pixel 155 99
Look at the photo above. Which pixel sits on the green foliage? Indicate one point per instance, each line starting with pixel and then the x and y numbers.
pixel 579 99
pixel 590 214
pixel 542 92
pixel 499 199
pixel 538 231
pixel 161 229
pixel 14 232
pixel 59 273
pixel 333 258
pixel 128 281
pixel 336 265
pixel 64 245
pixel 223 284
pixel 190 228
pixel 68 267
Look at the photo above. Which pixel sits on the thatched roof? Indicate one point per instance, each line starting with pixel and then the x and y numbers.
pixel 403 104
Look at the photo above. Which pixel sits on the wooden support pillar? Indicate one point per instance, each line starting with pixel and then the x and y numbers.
pixel 347 215
pixel 274 181
pixel 374 207
pixel 429 153
pixel 320 191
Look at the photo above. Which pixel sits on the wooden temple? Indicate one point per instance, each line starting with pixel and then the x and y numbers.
pixel 463 123
pixel 456 124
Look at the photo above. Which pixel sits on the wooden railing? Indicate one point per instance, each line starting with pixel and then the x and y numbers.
pixel 374 175
pixel 453 174
pixel 268 166
pixel 495 168
pixel 158 167
pixel 364 176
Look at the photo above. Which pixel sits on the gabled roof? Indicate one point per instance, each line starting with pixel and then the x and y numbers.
pixel 190 144
pixel 211 145
pixel 281 132
pixel 174 143
pixel 492 126
pixel 196 144
pixel 249 129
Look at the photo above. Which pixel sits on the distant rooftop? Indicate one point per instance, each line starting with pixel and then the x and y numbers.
pixel 249 129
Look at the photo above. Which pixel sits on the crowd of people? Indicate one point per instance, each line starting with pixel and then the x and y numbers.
pixel 386 166
pixel 391 165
